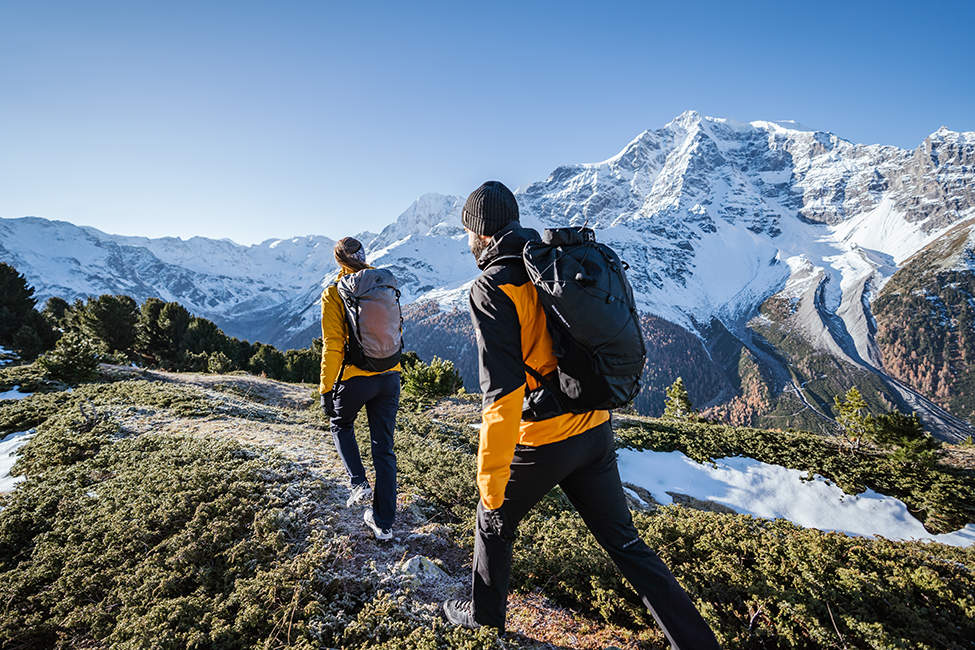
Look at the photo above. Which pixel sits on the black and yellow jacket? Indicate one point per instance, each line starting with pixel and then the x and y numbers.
pixel 511 333
pixel 335 334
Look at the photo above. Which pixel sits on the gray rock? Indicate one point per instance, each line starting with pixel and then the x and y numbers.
pixel 422 568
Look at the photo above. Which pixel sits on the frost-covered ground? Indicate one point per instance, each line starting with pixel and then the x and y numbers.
pixel 751 487
pixel 9 447
pixel 14 393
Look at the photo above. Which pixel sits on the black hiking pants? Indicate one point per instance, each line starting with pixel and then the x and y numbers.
pixel 585 467
pixel 380 395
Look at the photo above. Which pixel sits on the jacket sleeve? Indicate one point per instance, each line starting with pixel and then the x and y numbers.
pixel 333 338
pixel 502 378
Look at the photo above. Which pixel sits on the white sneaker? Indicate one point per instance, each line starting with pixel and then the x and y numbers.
pixel 360 494
pixel 381 534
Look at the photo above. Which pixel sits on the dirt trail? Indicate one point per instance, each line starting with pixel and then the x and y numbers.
pixel 299 435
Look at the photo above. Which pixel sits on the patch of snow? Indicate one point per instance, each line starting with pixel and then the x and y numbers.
pixel 769 491
pixel 9 447
pixel 14 393
pixel 884 229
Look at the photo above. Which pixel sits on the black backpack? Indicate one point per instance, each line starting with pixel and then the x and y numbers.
pixel 374 317
pixel 593 321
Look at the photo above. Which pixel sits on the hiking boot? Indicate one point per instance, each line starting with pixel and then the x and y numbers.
pixel 360 494
pixel 461 612
pixel 382 534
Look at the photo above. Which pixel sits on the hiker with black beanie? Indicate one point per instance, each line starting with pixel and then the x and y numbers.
pixel 360 315
pixel 520 461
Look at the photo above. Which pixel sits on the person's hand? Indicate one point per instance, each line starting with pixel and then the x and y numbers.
pixel 495 522
pixel 328 406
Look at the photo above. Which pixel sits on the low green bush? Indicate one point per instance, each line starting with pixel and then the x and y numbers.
pixel 392 624
pixel 173 542
pixel 28 378
pixel 65 438
pixel 27 413
pixel 763 583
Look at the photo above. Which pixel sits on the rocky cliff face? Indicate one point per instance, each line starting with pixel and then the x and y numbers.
pixel 926 321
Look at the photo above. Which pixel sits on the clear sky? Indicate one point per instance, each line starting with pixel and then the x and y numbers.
pixel 253 120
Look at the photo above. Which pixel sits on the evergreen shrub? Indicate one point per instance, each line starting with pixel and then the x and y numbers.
pixel 73 360
pixel 439 378
pixel 219 363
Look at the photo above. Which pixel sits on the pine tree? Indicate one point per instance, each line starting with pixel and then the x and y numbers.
pixel 56 311
pixel 22 327
pixel 240 352
pixel 149 340
pixel 203 335
pixel 218 363
pixel 852 416
pixel 174 322
pixel 110 321
pixel 34 336
pixel 904 433
pixel 16 302
pixel 267 361
pixel 161 331
pixel 678 405
pixel 302 365
pixel 438 379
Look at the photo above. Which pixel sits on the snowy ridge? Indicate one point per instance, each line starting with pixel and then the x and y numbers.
pixel 214 278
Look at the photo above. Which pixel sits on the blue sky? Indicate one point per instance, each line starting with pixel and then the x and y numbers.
pixel 253 120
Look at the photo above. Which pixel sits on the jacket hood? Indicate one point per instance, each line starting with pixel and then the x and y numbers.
pixel 509 241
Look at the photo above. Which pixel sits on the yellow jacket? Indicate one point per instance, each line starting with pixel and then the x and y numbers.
pixel 334 336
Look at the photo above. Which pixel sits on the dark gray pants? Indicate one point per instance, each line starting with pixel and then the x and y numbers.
pixel 380 395
pixel 585 467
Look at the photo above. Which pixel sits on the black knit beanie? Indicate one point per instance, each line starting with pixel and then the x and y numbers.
pixel 489 208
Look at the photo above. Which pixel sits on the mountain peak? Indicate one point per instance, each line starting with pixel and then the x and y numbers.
pixel 687 118
pixel 944 134
pixel 426 213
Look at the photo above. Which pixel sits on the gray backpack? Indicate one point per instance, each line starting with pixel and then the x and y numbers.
pixel 372 310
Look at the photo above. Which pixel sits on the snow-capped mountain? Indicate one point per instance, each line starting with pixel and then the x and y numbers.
pixel 714 216
pixel 214 278
pixel 720 221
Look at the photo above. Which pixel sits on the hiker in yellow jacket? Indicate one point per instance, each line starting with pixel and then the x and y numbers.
pixel 342 397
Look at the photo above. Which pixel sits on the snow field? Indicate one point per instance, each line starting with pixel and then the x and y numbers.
pixel 769 491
